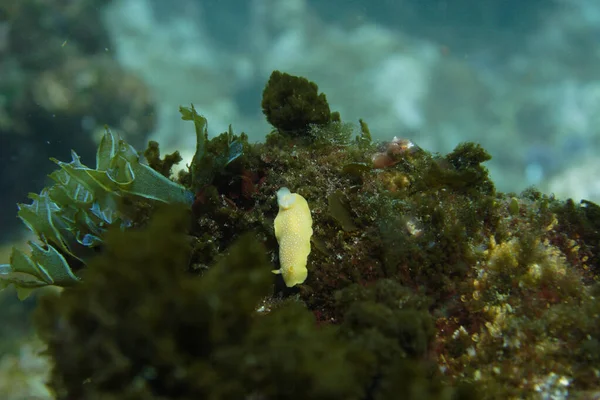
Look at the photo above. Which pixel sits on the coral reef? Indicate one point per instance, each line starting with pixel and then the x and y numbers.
pixel 422 280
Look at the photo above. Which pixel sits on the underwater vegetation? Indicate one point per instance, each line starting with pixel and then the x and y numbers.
pixel 292 103
pixel 70 216
pixel 422 280
pixel 156 332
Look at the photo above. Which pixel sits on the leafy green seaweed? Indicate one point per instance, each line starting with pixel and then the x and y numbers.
pixel 70 216
pixel 211 156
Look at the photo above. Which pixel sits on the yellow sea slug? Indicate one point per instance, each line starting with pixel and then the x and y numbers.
pixel 293 229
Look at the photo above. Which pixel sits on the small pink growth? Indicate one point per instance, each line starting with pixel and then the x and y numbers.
pixel 393 152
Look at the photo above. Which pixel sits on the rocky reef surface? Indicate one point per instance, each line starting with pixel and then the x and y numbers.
pixel 424 281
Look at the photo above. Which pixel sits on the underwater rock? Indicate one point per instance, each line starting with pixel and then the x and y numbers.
pixel 441 286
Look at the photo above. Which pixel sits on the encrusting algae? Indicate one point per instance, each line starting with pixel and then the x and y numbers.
pixel 423 281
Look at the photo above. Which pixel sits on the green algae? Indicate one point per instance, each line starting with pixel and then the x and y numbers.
pixel 157 332
pixel 339 210
pixel 164 165
pixel 292 103
pixel 364 139
pixel 214 155
pixel 582 220
pixel 69 216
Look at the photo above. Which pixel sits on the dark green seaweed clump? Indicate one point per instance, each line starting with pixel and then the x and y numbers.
pixel 583 221
pixel 140 327
pixel 461 170
pixel 164 165
pixel 214 155
pixel 292 103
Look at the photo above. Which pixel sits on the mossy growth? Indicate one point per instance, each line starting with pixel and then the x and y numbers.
pixel 364 139
pixel 164 165
pixel 292 103
pixel 226 168
pixel 394 331
pixel 426 235
pixel 213 156
pixel 582 220
pixel 141 327
pixel 460 170
pixel 388 318
pixel 332 134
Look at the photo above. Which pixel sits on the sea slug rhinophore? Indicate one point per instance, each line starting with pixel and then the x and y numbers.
pixel 293 229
